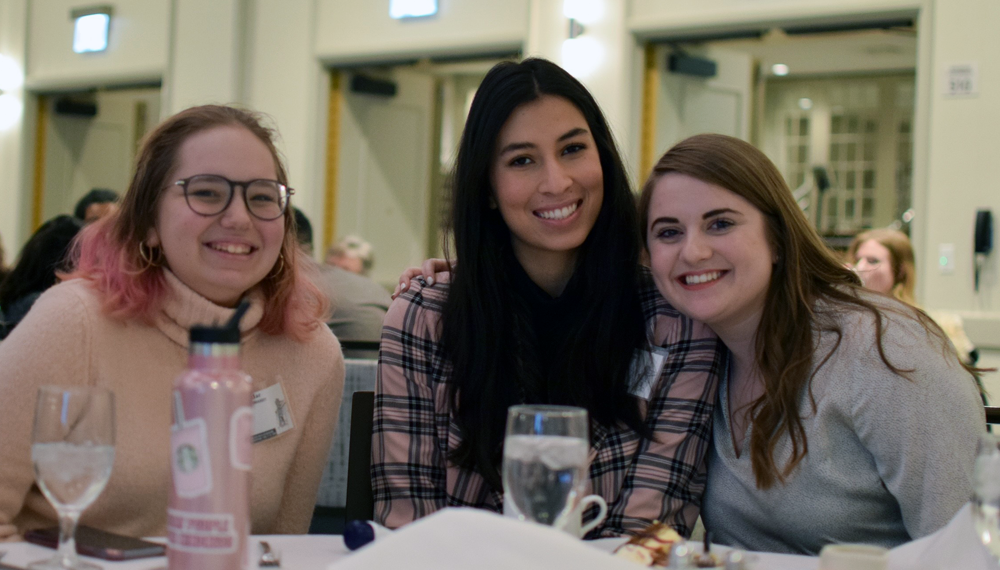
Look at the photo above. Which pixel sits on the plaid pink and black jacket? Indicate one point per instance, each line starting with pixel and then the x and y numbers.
pixel 641 480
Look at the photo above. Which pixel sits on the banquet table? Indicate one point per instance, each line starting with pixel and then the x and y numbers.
pixel 317 552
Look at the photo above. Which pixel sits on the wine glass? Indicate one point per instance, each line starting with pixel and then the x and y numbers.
pixel 545 457
pixel 986 493
pixel 73 449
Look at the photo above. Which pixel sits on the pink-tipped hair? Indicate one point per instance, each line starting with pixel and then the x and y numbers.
pixel 295 307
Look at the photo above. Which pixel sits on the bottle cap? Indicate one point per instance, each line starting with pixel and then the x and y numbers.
pixel 226 334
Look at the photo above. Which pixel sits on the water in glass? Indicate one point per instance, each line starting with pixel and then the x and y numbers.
pixel 544 474
pixel 545 462
pixel 986 497
pixel 72 475
pixel 73 452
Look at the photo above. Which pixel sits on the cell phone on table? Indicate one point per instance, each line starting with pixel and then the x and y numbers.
pixel 98 543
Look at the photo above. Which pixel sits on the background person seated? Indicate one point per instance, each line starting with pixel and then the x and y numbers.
pixel 96 204
pixel 352 254
pixel 884 260
pixel 36 270
pixel 359 304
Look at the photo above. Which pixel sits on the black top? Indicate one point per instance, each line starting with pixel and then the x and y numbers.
pixel 552 323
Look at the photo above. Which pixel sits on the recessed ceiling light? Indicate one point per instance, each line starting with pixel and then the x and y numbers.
pixel 779 69
pixel 805 103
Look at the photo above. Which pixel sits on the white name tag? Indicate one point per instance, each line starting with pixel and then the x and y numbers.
pixel 647 365
pixel 272 416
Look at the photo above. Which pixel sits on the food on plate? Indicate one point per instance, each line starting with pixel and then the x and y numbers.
pixel 652 546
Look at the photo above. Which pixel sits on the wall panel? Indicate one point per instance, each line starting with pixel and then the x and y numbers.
pixel 137 44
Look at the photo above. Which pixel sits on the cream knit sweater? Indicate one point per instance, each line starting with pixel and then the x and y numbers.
pixel 67 339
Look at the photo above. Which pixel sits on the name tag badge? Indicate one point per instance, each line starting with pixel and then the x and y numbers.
pixel 646 369
pixel 272 415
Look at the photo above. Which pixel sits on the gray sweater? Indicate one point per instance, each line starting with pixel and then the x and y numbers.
pixel 890 458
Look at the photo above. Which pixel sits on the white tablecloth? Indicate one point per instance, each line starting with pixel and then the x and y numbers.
pixel 298 552
pixel 316 552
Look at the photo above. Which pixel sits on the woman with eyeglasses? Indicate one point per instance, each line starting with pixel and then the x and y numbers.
pixel 205 223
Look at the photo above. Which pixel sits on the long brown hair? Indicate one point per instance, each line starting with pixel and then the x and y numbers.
pixel 805 271
pixel 904 270
pixel 108 251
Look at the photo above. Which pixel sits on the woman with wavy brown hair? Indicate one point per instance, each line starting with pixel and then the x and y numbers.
pixel 844 416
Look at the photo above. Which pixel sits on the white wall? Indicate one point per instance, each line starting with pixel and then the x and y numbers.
pixel 362 31
pixel 137 45
pixel 285 80
pixel 963 170
pixel 13 214
pixel 206 53
pixel 652 17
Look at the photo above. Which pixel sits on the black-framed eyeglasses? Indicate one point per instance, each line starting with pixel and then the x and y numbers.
pixel 210 195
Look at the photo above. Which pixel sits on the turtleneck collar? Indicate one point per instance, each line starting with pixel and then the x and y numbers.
pixel 184 308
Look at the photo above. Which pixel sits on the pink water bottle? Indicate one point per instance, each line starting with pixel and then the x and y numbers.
pixel 208 517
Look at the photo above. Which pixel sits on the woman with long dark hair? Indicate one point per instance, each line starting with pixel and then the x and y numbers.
pixel 36 270
pixel 844 415
pixel 547 305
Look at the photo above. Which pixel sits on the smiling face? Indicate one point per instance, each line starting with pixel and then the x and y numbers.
pixel 873 262
pixel 547 181
pixel 709 252
pixel 222 256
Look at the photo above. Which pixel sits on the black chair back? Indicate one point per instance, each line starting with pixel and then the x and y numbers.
pixel 360 504
pixel 992 415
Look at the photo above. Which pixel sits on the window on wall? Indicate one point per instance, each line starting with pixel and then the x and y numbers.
pixel 797 148
pixel 859 129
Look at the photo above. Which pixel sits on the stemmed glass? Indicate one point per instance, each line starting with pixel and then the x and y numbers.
pixel 73 449
pixel 545 462
pixel 986 493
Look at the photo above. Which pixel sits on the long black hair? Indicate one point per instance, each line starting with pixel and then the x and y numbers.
pixel 43 255
pixel 486 328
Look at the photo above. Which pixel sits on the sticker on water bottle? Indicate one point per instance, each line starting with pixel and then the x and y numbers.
pixel 204 533
pixel 189 457
pixel 272 415
pixel 240 428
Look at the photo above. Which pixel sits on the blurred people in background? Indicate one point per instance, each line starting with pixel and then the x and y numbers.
pixel 359 304
pixel 352 254
pixel 96 204
pixel 884 260
pixel 43 255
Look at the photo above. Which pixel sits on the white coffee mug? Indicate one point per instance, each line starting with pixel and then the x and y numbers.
pixel 853 557
pixel 574 522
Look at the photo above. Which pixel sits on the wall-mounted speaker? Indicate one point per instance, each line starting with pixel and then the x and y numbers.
pixel 371 86
pixel 67 106
pixel 690 65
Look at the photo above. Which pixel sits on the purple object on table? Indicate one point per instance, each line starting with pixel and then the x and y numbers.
pixel 358 534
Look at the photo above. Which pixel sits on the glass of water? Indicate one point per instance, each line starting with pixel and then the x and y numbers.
pixel 986 493
pixel 545 460
pixel 73 449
